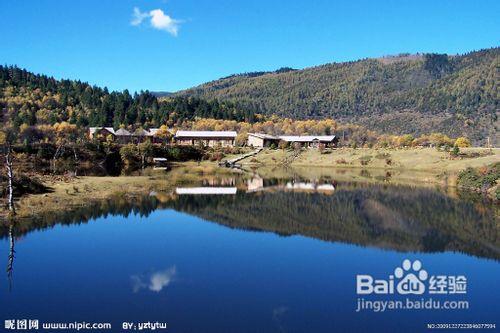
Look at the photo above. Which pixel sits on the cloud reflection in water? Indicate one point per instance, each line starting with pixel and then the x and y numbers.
pixel 155 281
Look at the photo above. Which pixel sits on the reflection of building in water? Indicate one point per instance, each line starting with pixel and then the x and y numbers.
pixel 325 187
pixel 206 190
pixel 258 184
pixel 309 186
pixel 212 185
pixel 255 184
pixel 219 182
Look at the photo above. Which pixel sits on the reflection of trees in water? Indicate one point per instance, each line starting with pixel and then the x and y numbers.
pixel 10 261
pixel 393 217
pixel 398 218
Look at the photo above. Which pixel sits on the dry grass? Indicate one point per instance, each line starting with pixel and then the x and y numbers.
pixel 424 159
pixel 80 190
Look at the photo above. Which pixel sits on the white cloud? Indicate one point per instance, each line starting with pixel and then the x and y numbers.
pixel 161 21
pixel 138 16
pixel 154 282
pixel 158 19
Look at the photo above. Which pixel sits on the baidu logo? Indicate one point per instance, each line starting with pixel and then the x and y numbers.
pixel 410 278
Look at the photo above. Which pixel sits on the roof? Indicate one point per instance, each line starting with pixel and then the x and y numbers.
pixel 153 131
pixel 206 134
pixel 92 130
pixel 141 132
pixel 122 132
pixel 295 138
pixel 264 136
pixel 307 138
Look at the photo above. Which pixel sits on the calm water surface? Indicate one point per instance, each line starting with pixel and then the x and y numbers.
pixel 276 256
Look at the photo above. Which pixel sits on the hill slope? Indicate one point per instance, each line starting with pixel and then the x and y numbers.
pixel 34 99
pixel 456 95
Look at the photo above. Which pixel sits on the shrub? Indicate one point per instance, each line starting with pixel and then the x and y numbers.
pixel 231 150
pixel 283 144
pixel 45 151
pixel 365 160
pixel 129 153
pixel 479 179
pixel 440 140
pixel 180 153
pixel 22 185
pixel 145 149
pixel 381 156
pixel 217 156
pixel 405 140
pixel 462 142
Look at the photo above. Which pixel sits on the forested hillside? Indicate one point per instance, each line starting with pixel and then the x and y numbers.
pixel 31 99
pixel 406 94
pixel 455 95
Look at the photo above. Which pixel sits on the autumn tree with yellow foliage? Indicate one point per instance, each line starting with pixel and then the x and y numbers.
pixel 462 142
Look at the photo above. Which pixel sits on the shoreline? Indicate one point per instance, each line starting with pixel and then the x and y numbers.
pixel 269 163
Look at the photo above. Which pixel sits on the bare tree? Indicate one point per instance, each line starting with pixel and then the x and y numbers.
pixel 7 137
pixel 10 179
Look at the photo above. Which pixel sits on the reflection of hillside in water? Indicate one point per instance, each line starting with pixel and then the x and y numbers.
pixel 399 218
pixel 393 217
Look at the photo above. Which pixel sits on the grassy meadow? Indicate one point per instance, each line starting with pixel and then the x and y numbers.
pixel 429 160
pixel 78 191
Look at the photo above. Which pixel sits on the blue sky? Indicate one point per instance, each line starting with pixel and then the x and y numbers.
pixel 176 44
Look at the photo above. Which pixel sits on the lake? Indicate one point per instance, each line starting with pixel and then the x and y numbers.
pixel 252 254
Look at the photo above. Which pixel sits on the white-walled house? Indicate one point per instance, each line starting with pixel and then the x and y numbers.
pixel 206 138
pixel 313 141
pixel 261 140
pixel 265 140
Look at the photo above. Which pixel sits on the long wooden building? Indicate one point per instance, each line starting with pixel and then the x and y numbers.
pixel 124 136
pixel 206 138
pixel 313 141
